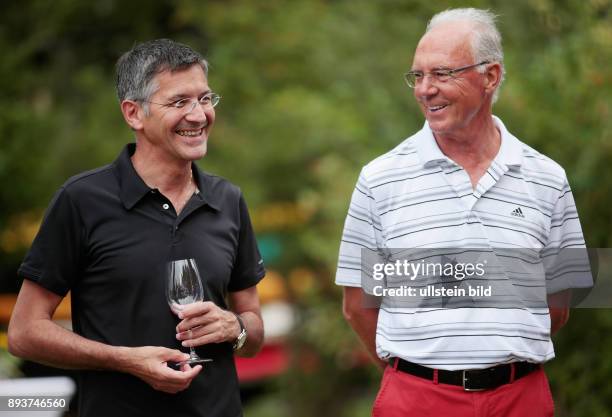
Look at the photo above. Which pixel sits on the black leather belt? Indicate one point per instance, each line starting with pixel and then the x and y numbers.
pixel 473 379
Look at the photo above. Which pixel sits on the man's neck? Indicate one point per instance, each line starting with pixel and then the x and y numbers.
pixel 476 147
pixel 167 174
pixel 474 150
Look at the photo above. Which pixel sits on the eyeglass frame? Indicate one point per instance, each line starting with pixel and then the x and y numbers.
pixel 450 73
pixel 176 103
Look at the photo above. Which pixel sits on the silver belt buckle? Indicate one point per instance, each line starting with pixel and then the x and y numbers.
pixel 464 380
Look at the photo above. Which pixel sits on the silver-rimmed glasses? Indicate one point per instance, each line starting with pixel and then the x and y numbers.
pixel 187 105
pixel 441 75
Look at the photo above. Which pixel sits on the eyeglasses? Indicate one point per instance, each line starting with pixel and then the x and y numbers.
pixel 189 104
pixel 413 78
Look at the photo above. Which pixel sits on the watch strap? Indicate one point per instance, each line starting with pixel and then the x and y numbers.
pixel 237 344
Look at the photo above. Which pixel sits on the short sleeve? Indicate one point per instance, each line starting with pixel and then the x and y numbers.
pixel 248 267
pixel 55 257
pixel 361 232
pixel 565 257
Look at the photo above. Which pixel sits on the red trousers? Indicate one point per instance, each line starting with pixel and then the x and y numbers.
pixel 405 395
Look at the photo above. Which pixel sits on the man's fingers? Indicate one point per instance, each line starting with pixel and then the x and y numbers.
pixel 180 378
pixel 196 309
pixel 151 366
pixel 197 332
pixel 202 340
pixel 205 317
pixel 197 321
pixel 189 371
pixel 203 336
pixel 173 355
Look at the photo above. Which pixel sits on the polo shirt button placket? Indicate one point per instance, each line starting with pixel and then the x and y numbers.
pixel 174 230
pixel 472 217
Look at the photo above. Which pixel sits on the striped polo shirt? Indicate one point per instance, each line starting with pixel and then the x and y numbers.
pixel 416 197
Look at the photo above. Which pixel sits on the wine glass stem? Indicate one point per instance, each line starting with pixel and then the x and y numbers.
pixel 192 353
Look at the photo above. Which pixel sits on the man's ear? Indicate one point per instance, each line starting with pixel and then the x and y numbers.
pixel 132 113
pixel 492 77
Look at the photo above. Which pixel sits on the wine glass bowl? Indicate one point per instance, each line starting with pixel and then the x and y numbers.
pixel 184 287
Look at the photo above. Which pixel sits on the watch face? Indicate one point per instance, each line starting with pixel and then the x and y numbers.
pixel 240 340
pixel 241 336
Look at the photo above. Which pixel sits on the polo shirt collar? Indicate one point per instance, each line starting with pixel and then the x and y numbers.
pixel 206 190
pixel 510 151
pixel 132 188
pixel 427 148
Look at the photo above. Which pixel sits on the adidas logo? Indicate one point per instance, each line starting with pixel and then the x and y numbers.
pixel 517 212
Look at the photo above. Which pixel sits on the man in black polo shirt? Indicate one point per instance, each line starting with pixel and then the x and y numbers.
pixel 107 236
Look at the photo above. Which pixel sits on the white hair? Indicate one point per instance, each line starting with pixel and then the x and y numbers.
pixel 485 40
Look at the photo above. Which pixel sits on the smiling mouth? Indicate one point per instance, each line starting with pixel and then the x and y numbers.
pixel 434 109
pixel 190 132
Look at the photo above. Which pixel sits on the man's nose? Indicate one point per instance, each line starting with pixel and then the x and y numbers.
pixel 197 112
pixel 426 87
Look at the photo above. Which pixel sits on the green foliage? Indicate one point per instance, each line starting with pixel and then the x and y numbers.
pixel 312 90
pixel 580 374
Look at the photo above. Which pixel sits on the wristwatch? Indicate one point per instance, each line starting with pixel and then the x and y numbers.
pixel 242 336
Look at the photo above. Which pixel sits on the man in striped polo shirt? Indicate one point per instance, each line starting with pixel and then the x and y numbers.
pixel 462 181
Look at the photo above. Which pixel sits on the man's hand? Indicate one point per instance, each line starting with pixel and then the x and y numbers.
pixel 558 307
pixel 205 322
pixel 33 335
pixel 149 363
pixel 362 320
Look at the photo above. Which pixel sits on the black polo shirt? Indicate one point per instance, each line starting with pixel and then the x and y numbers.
pixel 106 237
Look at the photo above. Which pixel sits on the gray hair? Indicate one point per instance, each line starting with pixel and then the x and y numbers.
pixel 485 40
pixel 137 68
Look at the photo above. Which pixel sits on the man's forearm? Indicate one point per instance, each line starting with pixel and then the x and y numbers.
pixel 558 305
pixel 365 326
pixel 33 335
pixel 46 342
pixel 558 319
pixel 254 326
pixel 362 320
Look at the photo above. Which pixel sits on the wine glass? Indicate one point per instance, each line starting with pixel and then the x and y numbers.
pixel 184 287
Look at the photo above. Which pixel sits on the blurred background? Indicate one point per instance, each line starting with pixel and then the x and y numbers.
pixel 312 90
